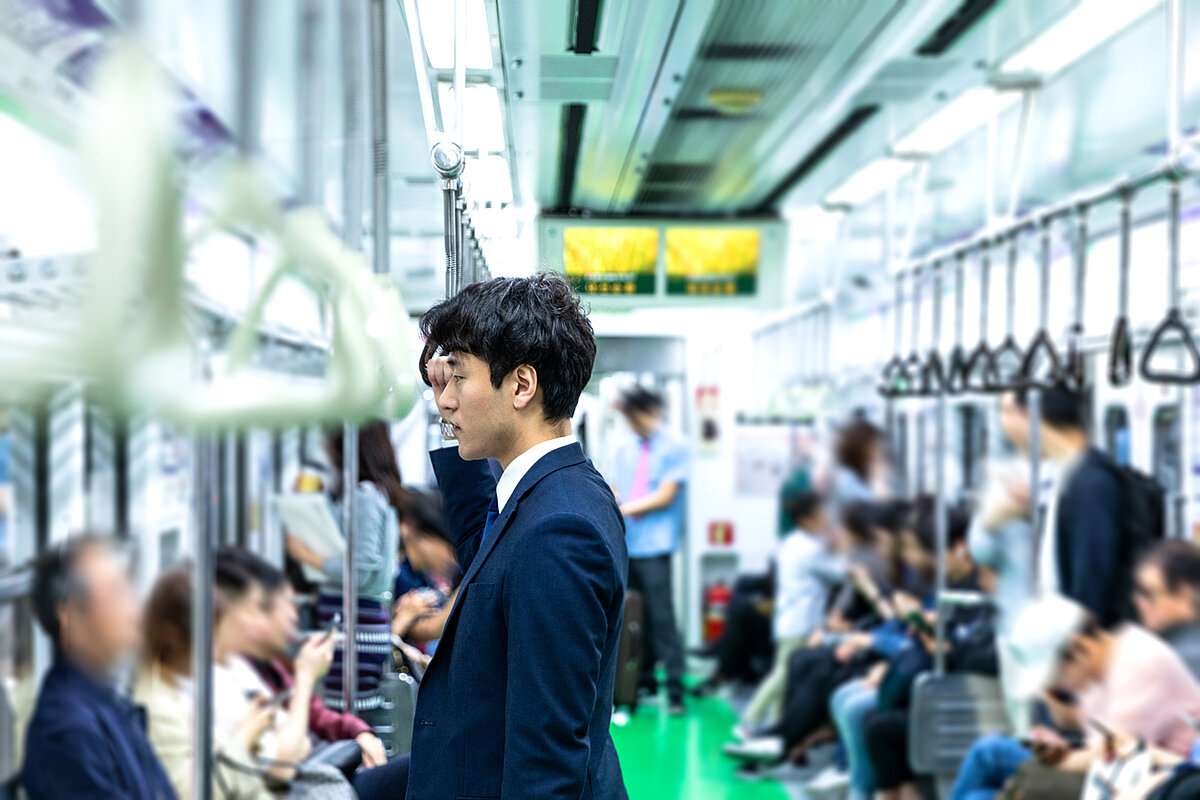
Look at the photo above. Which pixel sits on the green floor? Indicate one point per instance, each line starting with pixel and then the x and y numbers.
pixel 664 758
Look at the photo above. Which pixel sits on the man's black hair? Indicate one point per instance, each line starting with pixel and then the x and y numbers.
pixel 639 398
pixel 235 564
pixel 858 519
pixel 1061 407
pixel 801 505
pixel 925 524
pixel 507 322
pixel 55 580
pixel 892 515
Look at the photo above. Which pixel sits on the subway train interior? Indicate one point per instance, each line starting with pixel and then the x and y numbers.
pixel 895 388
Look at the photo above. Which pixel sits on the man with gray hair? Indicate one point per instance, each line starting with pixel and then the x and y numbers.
pixel 86 740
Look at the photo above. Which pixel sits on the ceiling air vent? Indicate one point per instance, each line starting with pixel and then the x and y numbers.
pixel 955 26
pixel 710 115
pixel 678 173
pixel 654 195
pixel 750 52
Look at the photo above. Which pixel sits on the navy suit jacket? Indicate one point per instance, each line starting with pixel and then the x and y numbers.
pixel 517 700
pixel 86 742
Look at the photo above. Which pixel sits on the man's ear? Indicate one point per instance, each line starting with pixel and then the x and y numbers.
pixel 526 386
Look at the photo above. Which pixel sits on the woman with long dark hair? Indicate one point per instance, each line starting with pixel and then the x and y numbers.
pixel 378 498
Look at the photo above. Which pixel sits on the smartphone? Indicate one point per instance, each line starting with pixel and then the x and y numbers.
pixel 334 623
pixel 918 621
pixel 280 698
pixel 1063 696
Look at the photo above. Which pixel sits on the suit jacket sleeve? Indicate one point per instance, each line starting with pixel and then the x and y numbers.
pixel 557 605
pixel 1094 543
pixel 467 489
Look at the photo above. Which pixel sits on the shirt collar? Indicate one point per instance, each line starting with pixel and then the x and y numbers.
pixel 523 463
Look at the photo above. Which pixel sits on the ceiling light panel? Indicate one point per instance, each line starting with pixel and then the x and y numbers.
pixel 869 181
pixel 437 32
pixel 1085 27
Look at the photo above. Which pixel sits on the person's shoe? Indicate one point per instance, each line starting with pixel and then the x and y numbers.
pixel 705 689
pixel 752 772
pixel 707 651
pixel 743 732
pixel 620 718
pixel 675 707
pixel 764 749
pixel 829 781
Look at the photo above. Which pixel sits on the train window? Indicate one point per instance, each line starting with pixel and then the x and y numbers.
pixel 972 444
pixel 1166 454
pixel 18 680
pixel 1117 434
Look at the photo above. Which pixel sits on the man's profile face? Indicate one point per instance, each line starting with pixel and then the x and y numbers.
pixel 1014 421
pixel 282 620
pixel 106 609
pixel 643 423
pixel 482 415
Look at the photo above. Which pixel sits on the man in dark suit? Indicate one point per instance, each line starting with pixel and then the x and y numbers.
pixel 85 740
pixel 1082 550
pixel 517 700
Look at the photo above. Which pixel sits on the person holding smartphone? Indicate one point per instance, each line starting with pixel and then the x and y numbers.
pixel 1124 677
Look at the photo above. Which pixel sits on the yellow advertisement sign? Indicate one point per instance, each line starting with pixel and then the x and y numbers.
pixel 712 261
pixel 611 260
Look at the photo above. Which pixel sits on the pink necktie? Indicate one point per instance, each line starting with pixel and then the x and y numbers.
pixel 641 475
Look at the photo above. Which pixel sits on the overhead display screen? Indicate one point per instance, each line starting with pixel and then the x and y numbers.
pixel 712 261
pixel 611 260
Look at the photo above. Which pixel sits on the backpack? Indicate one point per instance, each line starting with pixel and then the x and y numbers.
pixel 1143 511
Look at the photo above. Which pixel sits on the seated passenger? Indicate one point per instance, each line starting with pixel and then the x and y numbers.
pixel 85 740
pixel 242 620
pixel 267 649
pixel 808 568
pixel 1126 679
pixel 745 650
pixel 421 614
pixel 164 689
pixel 1166 593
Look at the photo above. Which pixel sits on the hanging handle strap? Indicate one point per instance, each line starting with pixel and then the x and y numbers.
pixel 1006 360
pixel 933 372
pixel 956 364
pixel 1042 345
pixel 1174 321
pixel 890 378
pixel 1120 348
pixel 1075 367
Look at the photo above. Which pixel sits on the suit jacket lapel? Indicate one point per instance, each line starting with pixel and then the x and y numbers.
pixel 567 456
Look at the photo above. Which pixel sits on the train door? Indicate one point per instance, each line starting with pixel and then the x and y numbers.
pixel 1166 459
pixel 1117 434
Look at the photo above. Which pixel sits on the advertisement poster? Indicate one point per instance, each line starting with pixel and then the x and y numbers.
pixel 721 262
pixel 606 260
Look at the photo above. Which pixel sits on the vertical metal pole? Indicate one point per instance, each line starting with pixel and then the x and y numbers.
pixel 203 578
pixel 353 148
pixel 349 570
pixel 248 123
pixel 309 104
pixel 460 69
pixel 1028 99
pixel 940 480
pixel 1174 74
pixel 353 32
pixel 380 185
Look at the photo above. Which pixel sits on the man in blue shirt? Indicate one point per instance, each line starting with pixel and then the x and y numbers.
pixel 649 476
pixel 85 740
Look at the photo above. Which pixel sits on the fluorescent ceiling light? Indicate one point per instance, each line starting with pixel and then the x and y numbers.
pixel 869 181
pixel 1086 26
pixel 488 180
pixel 437 32
pixel 483 130
pixel 955 120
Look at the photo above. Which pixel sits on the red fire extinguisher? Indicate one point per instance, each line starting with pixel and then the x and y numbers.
pixel 716 604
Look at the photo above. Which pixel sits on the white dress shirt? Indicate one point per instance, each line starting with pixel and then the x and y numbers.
pixel 523 463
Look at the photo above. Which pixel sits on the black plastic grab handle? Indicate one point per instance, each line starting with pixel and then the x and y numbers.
pixel 1172 322
pixel 1042 343
pixel 1120 354
pixel 890 377
pixel 1075 366
pixel 933 376
pixel 956 371
pixel 1011 351
pixel 979 363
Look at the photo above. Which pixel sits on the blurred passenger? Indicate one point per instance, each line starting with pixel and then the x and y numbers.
pixel 242 621
pixel 421 613
pixel 858 450
pixel 1082 547
pixel 269 648
pixel 1166 593
pixel 745 651
pixel 165 690
pixel 85 740
pixel 808 568
pixel 518 701
pixel 379 497
pixel 650 472
pixel 1126 679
